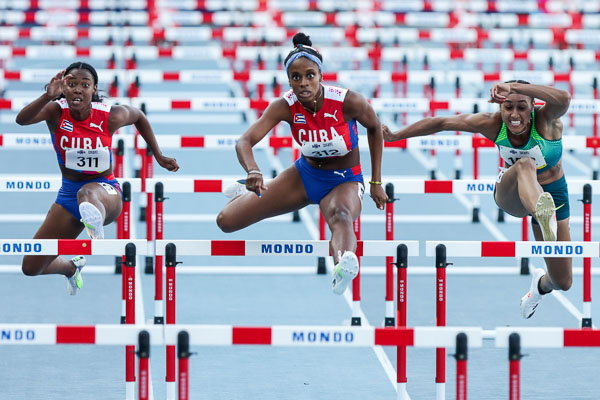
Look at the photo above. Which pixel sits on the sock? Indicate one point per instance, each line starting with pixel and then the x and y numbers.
pixel 540 288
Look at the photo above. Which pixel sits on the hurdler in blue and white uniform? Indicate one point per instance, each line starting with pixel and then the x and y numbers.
pixel 90 197
pixel 323 120
pixel 532 181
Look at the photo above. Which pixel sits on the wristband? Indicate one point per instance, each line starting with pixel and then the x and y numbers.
pixel 254 171
pixel 375 182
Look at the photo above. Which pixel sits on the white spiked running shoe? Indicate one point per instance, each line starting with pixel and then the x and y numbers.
pixel 545 214
pixel 75 282
pixel 92 219
pixel 532 299
pixel 344 271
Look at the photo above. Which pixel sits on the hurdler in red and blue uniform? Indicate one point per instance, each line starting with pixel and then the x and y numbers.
pixel 323 135
pixel 84 147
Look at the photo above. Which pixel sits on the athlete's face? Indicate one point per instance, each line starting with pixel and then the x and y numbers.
pixel 305 78
pixel 516 113
pixel 79 88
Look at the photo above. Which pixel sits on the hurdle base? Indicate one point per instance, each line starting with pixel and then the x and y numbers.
pixel 296 216
pixel 118 265
pixel 142 214
pixel 123 320
pixel 475 214
pixel 524 266
pixel 457 174
pixel 586 322
pixel 500 215
pixel 321 269
pixel 355 321
pixel 595 175
pixel 432 175
pixel 159 320
pixel 149 270
pixel 389 321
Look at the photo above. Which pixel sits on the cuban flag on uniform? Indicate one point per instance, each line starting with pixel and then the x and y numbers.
pixel 66 125
pixel 299 118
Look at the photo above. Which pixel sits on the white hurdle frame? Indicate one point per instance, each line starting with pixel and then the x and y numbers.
pixel 171 248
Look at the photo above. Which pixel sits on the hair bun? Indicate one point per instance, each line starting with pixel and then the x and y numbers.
pixel 301 39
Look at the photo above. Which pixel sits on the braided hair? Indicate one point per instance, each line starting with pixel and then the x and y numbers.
pixel 302 48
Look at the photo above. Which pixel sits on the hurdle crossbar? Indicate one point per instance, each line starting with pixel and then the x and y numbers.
pixel 320 248
pixel 36 247
pixel 515 249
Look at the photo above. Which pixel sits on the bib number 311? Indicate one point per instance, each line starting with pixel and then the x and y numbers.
pixel 92 160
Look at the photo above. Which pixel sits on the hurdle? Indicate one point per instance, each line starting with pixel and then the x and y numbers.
pixel 171 248
pixel 126 248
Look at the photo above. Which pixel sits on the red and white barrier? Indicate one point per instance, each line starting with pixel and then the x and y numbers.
pixel 35 247
pixel 515 249
pixel 548 337
pixel 365 248
pixel 470 77
pixel 19 183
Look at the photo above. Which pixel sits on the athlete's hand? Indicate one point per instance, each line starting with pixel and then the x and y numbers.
pixel 167 163
pixel 56 85
pixel 388 135
pixel 379 196
pixel 255 183
pixel 499 92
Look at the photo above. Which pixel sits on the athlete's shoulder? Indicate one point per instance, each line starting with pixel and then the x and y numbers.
pixel 334 92
pixel 290 97
pixel 101 106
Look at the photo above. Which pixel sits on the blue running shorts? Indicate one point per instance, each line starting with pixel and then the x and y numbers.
pixel 319 182
pixel 67 194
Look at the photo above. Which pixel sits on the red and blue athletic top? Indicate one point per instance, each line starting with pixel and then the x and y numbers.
pixel 89 137
pixel 326 134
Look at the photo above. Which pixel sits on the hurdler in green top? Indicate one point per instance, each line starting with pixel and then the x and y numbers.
pixel 551 150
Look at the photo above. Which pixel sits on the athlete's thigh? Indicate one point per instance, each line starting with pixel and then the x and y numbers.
pixel 507 194
pixel 110 198
pixel 346 197
pixel 285 193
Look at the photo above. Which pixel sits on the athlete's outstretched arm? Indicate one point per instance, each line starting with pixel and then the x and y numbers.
pixel 485 123
pixel 42 108
pixel 123 115
pixel 356 106
pixel 275 113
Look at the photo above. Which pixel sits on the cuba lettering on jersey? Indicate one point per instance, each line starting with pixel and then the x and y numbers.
pixel 84 146
pixel 326 134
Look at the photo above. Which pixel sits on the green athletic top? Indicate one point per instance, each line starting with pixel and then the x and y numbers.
pixel 546 153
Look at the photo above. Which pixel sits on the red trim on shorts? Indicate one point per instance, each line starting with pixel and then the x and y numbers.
pixel 356 169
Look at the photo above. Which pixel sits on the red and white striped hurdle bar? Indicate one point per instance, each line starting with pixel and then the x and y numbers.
pixel 270 248
pixel 226 335
pixel 515 249
pixel 231 104
pixel 297 18
pixel 549 337
pixel 469 77
pixel 42 141
pixel 419 6
pixel 48 184
pixel 35 247
pixel 301 335
pixel 401 186
pixel 442 54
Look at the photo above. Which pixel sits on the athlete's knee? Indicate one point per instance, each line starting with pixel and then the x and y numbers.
pixel 526 164
pixel 86 193
pixel 225 223
pixel 30 267
pixel 340 215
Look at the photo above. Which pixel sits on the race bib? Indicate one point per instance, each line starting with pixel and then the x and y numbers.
pixel 90 160
pixel 332 148
pixel 511 156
